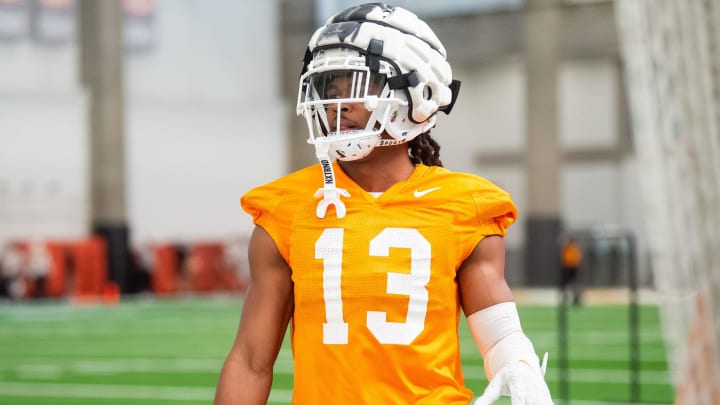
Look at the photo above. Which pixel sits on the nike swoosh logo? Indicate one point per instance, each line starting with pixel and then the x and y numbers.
pixel 417 193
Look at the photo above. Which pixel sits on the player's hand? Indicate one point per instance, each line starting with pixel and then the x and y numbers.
pixel 523 384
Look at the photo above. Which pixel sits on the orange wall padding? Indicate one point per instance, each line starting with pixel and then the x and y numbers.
pixel 91 273
pixel 55 283
pixel 204 266
pixel 165 270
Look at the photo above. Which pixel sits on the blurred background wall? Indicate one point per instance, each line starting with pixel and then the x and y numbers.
pixel 203 120
pixel 43 128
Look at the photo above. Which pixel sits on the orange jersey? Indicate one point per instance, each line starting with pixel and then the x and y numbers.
pixel 376 297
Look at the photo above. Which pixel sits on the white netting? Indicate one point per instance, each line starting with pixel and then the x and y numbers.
pixel 671 51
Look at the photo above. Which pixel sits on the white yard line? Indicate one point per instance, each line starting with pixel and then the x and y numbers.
pixel 580 402
pixel 615 376
pixel 284 366
pixel 44 368
pixel 49 390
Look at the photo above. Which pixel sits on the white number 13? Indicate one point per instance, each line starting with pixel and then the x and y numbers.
pixel 329 248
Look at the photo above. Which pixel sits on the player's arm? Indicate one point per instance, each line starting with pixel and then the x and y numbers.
pixel 246 376
pixel 510 360
pixel 482 276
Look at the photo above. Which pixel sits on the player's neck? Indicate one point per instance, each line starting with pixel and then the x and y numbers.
pixel 384 167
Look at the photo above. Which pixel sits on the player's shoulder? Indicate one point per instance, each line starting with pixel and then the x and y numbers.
pixel 477 201
pixel 301 181
pixel 287 190
pixel 459 183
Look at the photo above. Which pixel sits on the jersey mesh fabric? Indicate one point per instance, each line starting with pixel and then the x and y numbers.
pixel 376 298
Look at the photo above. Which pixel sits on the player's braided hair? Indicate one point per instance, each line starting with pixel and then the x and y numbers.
pixel 424 149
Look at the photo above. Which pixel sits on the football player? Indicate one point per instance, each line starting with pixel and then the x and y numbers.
pixel 372 255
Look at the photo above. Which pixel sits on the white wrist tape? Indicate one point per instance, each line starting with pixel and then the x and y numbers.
pixel 500 338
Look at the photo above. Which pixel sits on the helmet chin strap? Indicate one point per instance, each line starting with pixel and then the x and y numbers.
pixel 330 193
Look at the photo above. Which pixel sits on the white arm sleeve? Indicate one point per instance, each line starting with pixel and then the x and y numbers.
pixel 500 338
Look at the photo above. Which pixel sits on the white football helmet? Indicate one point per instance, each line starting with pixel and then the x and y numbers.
pixel 387 60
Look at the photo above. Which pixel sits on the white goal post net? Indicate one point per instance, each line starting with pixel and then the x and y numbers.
pixel 671 55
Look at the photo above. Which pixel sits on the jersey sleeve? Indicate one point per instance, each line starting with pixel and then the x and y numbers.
pixel 495 211
pixel 275 205
pixel 492 212
pixel 264 205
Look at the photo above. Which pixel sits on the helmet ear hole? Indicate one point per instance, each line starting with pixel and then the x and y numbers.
pixel 427 93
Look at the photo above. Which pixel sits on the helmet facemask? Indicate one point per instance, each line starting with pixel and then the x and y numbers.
pixel 337 80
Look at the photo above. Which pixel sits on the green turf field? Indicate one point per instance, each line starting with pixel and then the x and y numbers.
pixel 170 352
